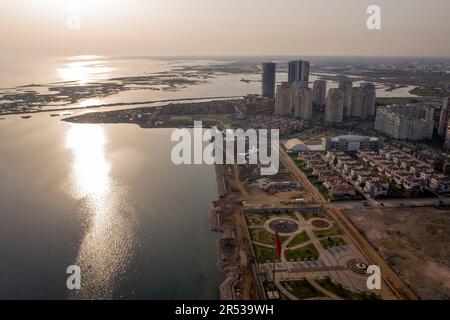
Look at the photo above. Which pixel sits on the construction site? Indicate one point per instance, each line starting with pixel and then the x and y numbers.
pixel 323 255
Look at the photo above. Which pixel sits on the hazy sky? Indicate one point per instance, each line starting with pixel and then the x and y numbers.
pixel 225 27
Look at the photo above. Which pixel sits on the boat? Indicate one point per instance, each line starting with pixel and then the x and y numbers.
pixel 26 117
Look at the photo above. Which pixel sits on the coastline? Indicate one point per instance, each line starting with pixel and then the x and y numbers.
pixel 124 104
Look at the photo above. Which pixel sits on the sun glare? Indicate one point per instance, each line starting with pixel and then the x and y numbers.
pixel 90 168
pixel 83 71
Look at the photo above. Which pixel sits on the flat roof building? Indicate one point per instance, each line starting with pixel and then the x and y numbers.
pixel 351 143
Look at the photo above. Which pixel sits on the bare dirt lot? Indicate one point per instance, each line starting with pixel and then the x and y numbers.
pixel 414 241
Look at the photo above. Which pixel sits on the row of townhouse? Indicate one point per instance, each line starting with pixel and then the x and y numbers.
pixel 424 174
pixel 395 165
pixel 332 180
pixel 357 171
pixel 410 173
pixel 439 183
pixel 409 181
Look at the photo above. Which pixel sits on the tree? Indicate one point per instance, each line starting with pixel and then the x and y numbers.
pixel 438 164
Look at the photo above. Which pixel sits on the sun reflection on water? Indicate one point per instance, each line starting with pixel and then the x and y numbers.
pixel 90 167
pixel 108 241
pixel 84 70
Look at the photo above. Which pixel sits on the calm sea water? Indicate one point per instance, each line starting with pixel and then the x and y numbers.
pixel 106 198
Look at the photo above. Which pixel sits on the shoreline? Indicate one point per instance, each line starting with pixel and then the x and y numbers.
pixel 227 246
pixel 174 115
pixel 119 104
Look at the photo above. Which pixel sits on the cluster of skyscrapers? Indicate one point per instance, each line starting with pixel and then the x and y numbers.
pixel 347 101
pixel 295 98
pixel 292 98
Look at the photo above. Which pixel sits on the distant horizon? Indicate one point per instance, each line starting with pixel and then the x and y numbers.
pixel 406 28
pixel 229 56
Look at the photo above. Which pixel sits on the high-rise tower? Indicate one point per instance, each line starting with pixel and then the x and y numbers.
pixel 443 120
pixel 269 70
pixel 319 93
pixel 334 109
pixel 298 72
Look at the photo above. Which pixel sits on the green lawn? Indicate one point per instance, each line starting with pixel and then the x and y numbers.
pixel 284 214
pixel 299 239
pixel 330 242
pixel 340 291
pixel 264 254
pixel 302 289
pixel 258 219
pixel 308 252
pixel 309 215
pixel 334 231
pixel 263 236
pixel 292 215
pixel 357 197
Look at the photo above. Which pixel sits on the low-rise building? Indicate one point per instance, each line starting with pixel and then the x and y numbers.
pixel 298 146
pixel 401 176
pixel 351 143
pixel 342 189
pixel 413 184
pixel 440 183
pixel 419 167
pixel 377 188
pixel 363 177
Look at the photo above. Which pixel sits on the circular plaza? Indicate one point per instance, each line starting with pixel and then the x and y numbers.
pixel 283 226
